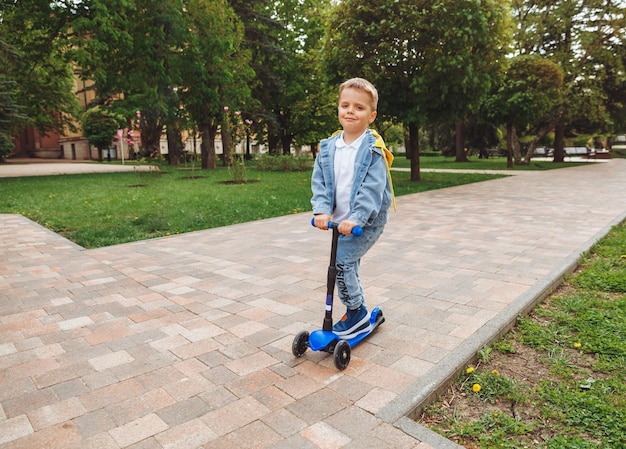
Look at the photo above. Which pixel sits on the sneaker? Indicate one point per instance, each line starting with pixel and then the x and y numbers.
pixel 353 323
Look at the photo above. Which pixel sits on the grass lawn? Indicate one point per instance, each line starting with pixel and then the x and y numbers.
pixel 558 379
pixel 98 210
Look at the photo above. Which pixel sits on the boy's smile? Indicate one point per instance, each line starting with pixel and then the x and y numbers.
pixel 355 113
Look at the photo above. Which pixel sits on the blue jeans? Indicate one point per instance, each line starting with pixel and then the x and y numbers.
pixel 350 249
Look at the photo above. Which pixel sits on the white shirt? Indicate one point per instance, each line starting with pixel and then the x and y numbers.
pixel 344 176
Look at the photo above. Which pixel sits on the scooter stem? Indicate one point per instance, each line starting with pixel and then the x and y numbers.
pixel 330 283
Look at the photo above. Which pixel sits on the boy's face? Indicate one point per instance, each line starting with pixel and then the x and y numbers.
pixel 355 111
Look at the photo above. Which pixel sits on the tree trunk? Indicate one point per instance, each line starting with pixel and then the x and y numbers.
pixel 207 146
pixel 285 140
pixel 510 135
pixel 226 142
pixel 513 145
pixel 174 144
pixel 151 131
pixel 559 140
pixel 313 147
pixel 460 142
pixel 414 150
pixel 272 142
pixel 540 135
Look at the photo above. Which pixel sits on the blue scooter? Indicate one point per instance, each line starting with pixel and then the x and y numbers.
pixel 324 339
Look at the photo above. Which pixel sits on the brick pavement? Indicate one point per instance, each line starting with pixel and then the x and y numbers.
pixel 185 341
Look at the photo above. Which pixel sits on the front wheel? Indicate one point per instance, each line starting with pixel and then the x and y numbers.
pixel 342 354
pixel 300 343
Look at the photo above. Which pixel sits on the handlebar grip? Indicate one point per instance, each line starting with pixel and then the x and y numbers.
pixel 356 231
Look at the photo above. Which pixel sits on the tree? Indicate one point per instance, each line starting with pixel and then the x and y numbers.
pixel 431 61
pixel 37 70
pixel 130 50
pixel 215 70
pixel 526 99
pixel 299 36
pixel 314 115
pixel 100 126
pixel 10 112
pixel 382 42
pixel 466 44
pixel 581 36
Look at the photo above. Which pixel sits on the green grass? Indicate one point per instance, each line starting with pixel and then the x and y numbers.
pixel 98 210
pixel 558 379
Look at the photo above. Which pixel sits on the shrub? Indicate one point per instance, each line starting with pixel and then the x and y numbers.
pixel 268 162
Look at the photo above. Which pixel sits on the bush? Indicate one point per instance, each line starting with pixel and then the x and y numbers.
pixel 283 162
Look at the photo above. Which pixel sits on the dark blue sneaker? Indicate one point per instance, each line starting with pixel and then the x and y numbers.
pixel 353 323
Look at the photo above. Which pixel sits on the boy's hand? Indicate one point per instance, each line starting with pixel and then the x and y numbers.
pixel 321 221
pixel 345 227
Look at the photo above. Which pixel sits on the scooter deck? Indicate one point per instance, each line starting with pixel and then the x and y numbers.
pixel 320 340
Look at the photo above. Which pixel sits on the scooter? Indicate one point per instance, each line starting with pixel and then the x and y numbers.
pixel 325 339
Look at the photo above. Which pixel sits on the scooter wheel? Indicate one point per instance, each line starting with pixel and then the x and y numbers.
pixel 342 354
pixel 300 343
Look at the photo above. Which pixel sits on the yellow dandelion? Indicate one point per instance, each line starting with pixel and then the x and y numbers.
pixel 476 388
pixel 469 370
pixel 577 345
pixel 495 372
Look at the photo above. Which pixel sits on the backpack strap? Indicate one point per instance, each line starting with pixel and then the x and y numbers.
pixel 388 155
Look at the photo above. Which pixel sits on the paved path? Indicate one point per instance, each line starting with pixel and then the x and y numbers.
pixel 45 167
pixel 185 341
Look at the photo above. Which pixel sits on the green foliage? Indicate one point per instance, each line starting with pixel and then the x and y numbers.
pixel 100 126
pixel 607 272
pixel 492 431
pixel 528 92
pixel 237 168
pixel 33 54
pixel 490 386
pixel 10 115
pixel 268 162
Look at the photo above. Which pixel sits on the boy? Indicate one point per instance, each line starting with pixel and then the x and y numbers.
pixel 351 186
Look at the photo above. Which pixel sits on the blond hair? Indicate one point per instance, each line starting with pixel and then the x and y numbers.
pixel 363 84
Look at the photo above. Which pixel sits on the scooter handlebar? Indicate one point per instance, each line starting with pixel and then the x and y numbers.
pixel 356 231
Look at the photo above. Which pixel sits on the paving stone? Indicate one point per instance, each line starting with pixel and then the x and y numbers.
pixel 138 430
pixel 56 413
pixel 188 435
pixel 15 428
pixel 94 423
pixel 121 346
pixel 324 436
pixel 255 434
pixel 136 407
pixel 318 406
pixel 234 415
pixel 183 411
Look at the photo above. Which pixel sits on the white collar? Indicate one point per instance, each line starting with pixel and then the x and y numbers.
pixel 356 144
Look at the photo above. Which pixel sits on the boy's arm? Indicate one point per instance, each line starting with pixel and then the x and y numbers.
pixel 322 199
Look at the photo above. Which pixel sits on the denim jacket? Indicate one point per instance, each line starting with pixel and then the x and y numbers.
pixel 371 193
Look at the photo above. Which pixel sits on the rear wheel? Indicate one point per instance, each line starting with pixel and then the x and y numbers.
pixel 300 343
pixel 342 354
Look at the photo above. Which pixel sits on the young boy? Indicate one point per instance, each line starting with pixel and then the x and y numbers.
pixel 351 186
